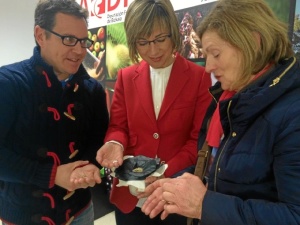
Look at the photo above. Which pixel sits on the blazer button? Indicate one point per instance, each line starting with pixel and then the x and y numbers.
pixel 156 135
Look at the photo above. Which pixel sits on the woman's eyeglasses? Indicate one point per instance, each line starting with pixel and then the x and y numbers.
pixel 157 41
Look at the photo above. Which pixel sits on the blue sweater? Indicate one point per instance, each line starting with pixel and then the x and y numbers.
pixel 255 176
pixel 43 125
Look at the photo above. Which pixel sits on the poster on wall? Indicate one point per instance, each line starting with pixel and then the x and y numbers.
pixel 109 52
pixel 288 11
pixel 189 19
pixel 285 11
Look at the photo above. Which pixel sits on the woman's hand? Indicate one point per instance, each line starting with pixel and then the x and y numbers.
pixel 151 179
pixel 155 203
pixel 110 155
pixel 182 195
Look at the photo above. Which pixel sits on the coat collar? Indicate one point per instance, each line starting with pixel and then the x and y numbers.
pixel 176 82
pixel 261 93
pixel 41 65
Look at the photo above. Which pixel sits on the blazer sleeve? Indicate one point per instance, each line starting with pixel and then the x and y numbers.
pixel 118 124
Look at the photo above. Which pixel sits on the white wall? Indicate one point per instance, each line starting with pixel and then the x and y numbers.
pixel 16 30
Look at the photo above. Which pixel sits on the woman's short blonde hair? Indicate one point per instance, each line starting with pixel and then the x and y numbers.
pixel 237 22
pixel 142 16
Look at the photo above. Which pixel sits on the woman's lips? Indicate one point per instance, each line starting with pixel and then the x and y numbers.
pixel 157 59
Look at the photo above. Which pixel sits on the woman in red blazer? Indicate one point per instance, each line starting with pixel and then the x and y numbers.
pixel 158 104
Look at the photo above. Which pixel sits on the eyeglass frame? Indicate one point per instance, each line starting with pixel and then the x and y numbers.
pixel 147 43
pixel 70 36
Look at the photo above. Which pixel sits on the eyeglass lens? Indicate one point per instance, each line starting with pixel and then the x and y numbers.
pixel 155 41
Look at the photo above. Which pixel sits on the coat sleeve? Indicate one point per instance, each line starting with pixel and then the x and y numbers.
pixel 15 167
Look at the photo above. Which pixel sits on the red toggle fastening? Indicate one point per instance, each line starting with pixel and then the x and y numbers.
pixel 69 113
pixel 47 78
pixel 72 150
pixel 55 112
pixel 50 198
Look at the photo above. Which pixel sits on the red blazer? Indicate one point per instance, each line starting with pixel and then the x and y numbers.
pixel 172 137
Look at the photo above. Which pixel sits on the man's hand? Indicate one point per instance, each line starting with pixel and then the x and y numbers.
pixel 63 174
pixel 86 176
pixel 79 174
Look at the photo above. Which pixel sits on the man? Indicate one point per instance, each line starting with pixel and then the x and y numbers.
pixel 53 121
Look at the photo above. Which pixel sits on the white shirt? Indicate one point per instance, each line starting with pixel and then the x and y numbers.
pixel 159 80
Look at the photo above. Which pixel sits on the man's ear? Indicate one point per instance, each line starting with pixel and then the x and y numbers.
pixel 40 35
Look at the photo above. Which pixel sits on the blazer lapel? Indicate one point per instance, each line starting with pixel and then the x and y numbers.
pixel 177 81
pixel 144 91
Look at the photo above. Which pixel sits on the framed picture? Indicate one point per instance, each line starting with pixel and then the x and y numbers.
pixel 188 20
pixel 285 11
pixel 292 15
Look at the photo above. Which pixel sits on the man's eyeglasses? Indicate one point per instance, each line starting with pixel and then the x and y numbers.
pixel 72 41
pixel 157 41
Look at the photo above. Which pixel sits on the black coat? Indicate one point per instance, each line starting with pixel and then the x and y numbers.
pixel 41 125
